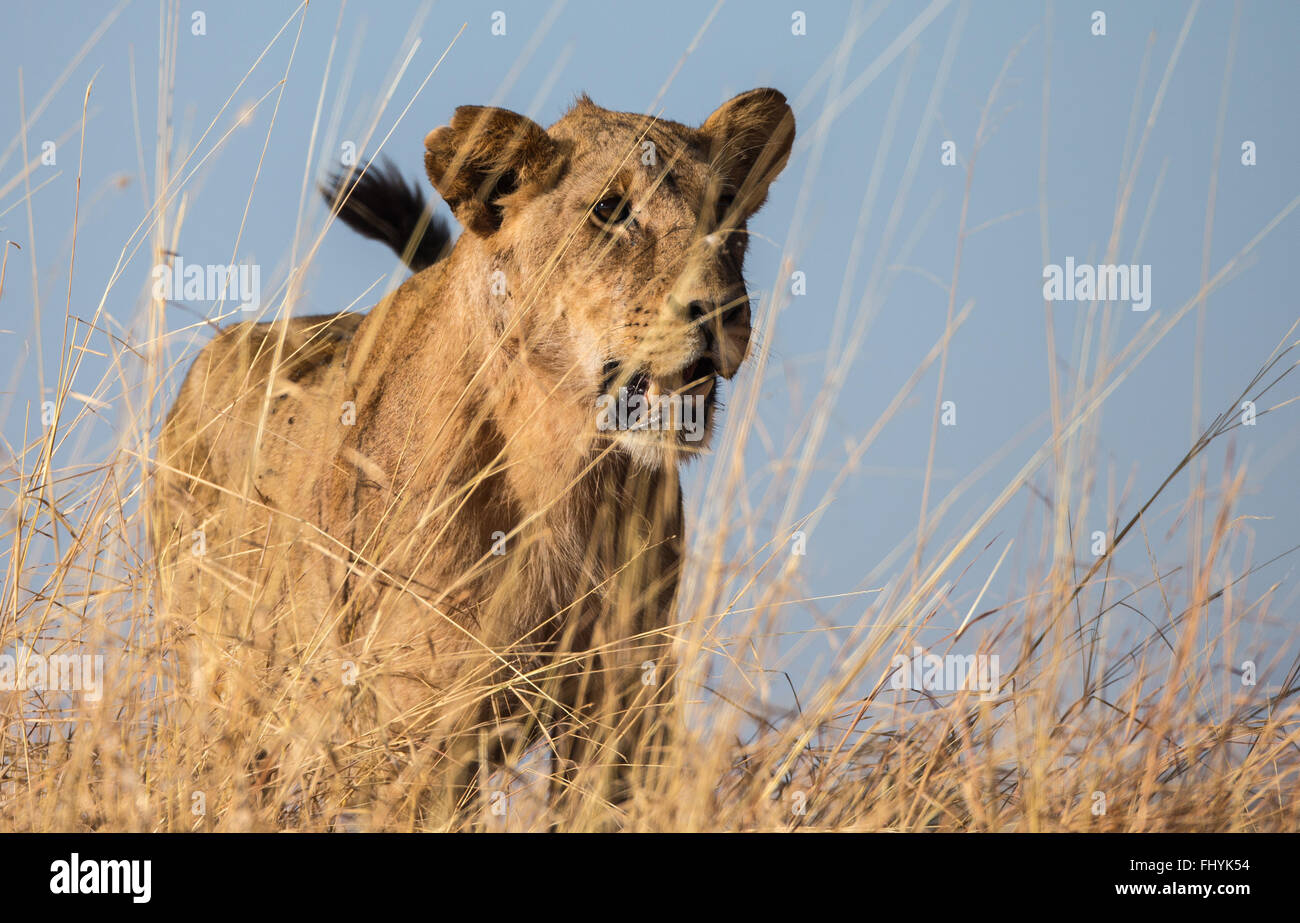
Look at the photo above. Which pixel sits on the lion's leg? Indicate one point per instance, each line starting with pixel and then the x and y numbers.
pixel 610 746
pixel 466 743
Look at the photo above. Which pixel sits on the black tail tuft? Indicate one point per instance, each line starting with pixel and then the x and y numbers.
pixel 380 205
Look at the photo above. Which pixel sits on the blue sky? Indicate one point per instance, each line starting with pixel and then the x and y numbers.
pixel 682 60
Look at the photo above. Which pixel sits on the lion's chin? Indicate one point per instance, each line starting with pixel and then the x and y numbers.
pixel 654 451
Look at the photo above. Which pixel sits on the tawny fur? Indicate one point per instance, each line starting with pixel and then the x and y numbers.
pixel 470 547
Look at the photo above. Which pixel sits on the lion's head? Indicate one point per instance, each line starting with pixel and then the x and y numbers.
pixel 617 244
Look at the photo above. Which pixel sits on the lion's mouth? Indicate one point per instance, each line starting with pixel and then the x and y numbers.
pixel 676 407
pixel 696 380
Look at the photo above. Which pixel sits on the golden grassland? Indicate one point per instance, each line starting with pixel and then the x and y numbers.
pixel 1091 728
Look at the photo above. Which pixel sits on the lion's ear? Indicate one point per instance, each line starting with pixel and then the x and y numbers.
pixel 483 155
pixel 750 137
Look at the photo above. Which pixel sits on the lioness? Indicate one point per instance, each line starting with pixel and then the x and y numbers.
pixel 421 512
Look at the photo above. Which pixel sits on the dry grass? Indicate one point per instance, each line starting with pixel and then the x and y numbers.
pixel 1156 724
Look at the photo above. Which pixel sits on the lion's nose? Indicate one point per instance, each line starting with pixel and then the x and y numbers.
pixel 725 330
pixel 700 310
pixel 704 316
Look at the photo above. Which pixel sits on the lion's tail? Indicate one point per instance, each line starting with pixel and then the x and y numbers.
pixel 379 204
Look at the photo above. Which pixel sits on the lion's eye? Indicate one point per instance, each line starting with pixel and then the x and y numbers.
pixel 612 210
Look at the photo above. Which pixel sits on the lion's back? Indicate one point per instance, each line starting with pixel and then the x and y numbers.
pixel 249 434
